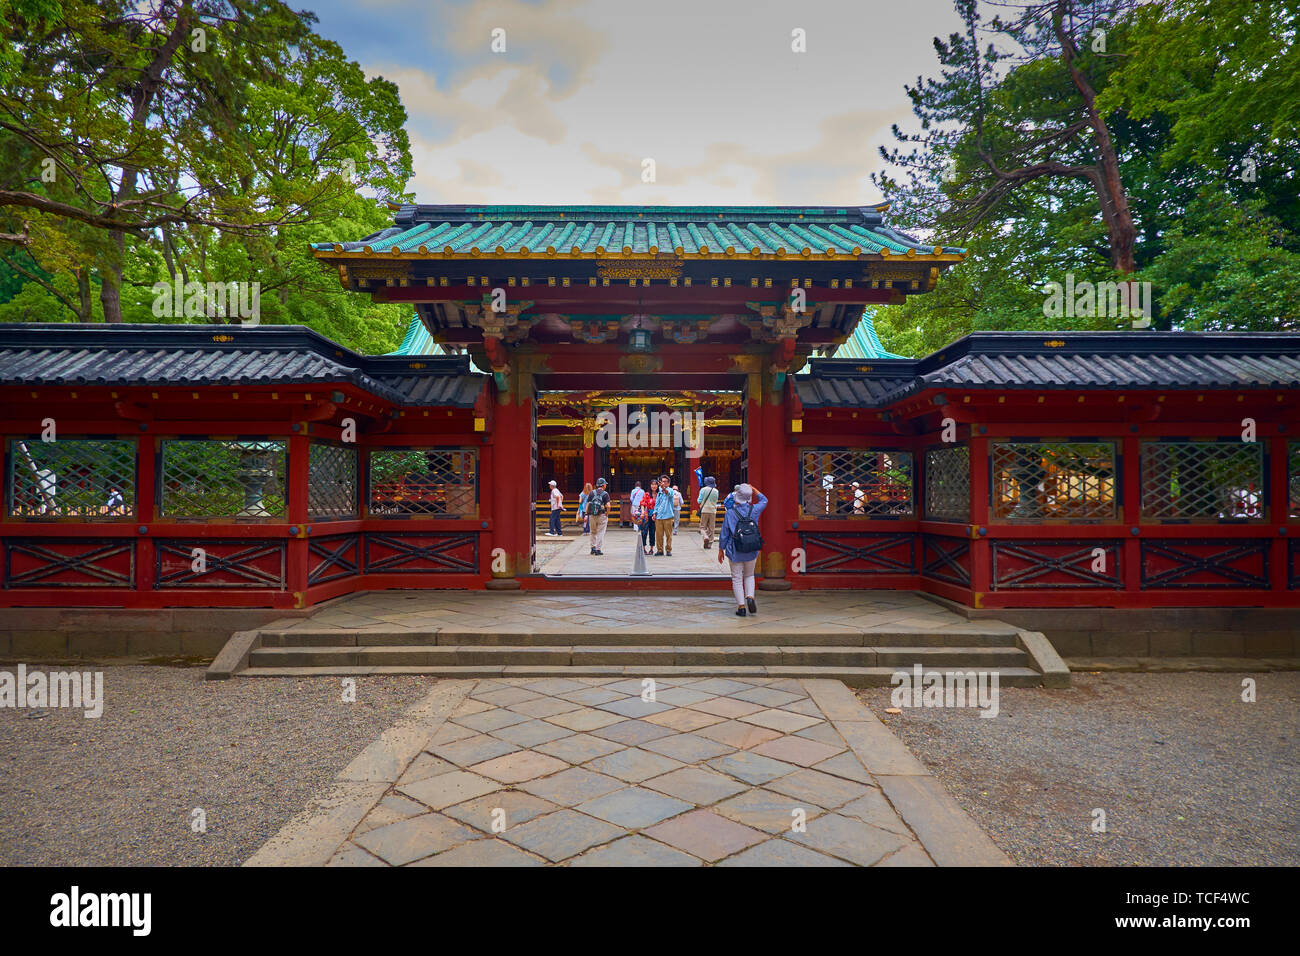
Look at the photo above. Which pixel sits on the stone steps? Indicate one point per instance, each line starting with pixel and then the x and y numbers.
pixel 975 636
pixel 773 647
pixel 636 656
pixel 852 676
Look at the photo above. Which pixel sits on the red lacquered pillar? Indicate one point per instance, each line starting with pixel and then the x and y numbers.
pixel 511 438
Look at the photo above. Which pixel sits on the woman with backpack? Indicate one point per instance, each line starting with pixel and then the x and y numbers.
pixel 740 541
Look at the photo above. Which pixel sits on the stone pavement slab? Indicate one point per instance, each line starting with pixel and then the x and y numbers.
pixel 636 851
pixel 706 834
pixel 575 619
pixel 565 557
pixel 401 843
pixel 850 840
pixel 519 771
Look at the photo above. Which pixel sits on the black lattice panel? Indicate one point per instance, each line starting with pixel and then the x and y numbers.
pixel 947 483
pixel 1293 477
pixel 421 553
pixel 69 562
pixel 331 481
pixel 1036 481
pixel 849 553
pixel 1056 564
pixel 1293 564
pixel 1201 565
pixel 426 481
pixel 203 478
pixel 333 557
pixel 1202 479
pixel 855 482
pixel 946 559
pixel 226 564
pixel 72 478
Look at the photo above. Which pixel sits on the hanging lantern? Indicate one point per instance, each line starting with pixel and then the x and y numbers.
pixel 639 329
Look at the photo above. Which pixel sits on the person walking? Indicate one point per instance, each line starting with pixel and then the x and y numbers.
pixel 583 518
pixel 557 508
pixel 708 504
pixel 643 518
pixel 634 499
pixel 663 515
pixel 598 514
pixel 741 542
pixel 677 509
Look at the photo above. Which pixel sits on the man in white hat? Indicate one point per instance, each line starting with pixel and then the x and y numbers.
pixel 557 509
pixel 859 499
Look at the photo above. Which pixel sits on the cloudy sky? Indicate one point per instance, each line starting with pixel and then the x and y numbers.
pixel 587 90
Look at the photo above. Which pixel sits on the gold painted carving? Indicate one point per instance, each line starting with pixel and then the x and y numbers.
pixel 640 364
pixel 639 269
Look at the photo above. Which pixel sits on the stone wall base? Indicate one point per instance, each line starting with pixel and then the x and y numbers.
pixel 28 633
pixel 1107 632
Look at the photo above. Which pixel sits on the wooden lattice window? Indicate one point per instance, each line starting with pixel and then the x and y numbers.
pixel 440 482
pixel 1293 478
pixel 208 478
pixel 72 478
pixel 1053 481
pixel 1206 479
pixel 856 483
pixel 331 481
pixel 947 483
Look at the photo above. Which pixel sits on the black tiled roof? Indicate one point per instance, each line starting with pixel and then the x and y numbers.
pixel 860 392
pixel 192 355
pixel 1063 360
pixel 457 390
pixel 1120 371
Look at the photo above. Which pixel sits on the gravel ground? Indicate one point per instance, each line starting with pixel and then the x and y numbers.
pixel 1187 773
pixel 120 789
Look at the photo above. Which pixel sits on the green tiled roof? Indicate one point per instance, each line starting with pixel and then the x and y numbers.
pixel 418 341
pixel 768 231
pixel 864 343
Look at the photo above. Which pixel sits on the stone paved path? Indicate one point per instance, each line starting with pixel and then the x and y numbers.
pixel 586 772
pixel 689 558
pixel 849 612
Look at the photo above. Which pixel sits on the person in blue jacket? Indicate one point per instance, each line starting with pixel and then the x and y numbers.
pixel 745 502
pixel 665 510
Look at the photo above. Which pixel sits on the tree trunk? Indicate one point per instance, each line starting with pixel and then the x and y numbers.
pixel 1115 212
pixel 142 96
pixel 84 311
pixel 110 281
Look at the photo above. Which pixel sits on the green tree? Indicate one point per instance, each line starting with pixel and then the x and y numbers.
pixel 1014 110
pixel 193 138
pixel 1023 233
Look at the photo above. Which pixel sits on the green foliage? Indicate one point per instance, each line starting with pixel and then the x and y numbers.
pixel 1226 269
pixel 133 150
pixel 1226 71
pixel 1201 100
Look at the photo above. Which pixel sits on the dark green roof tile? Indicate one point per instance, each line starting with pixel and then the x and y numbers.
pixel 747 230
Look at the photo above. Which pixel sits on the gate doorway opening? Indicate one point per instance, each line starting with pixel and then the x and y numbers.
pixel 631 438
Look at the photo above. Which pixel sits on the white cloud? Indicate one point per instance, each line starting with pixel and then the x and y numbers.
pixel 710 90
